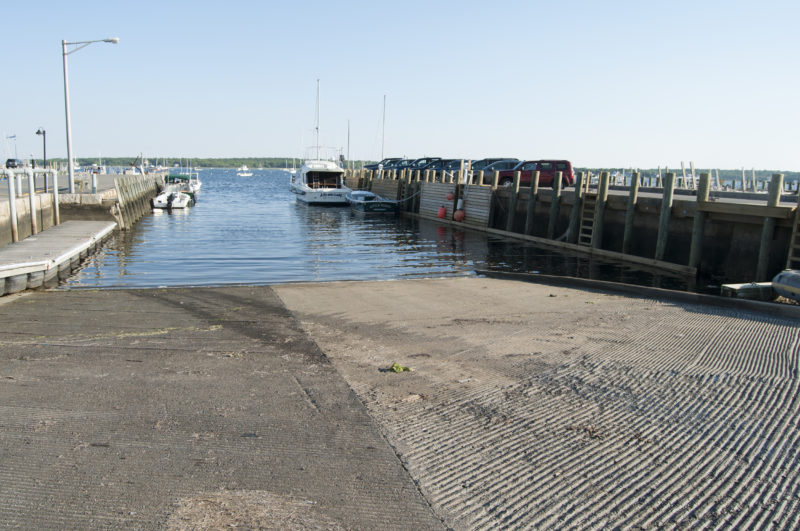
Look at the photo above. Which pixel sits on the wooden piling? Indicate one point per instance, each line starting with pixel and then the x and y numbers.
pixel 575 215
pixel 512 201
pixel 417 189
pixel 532 199
pixel 630 213
pixel 698 226
pixel 555 206
pixel 768 229
pixel 683 172
pixel 666 213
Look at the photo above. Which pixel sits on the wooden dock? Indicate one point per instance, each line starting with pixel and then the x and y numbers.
pixel 688 231
pixel 40 260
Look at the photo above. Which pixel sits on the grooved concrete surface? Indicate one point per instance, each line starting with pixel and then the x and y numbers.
pixel 185 409
pixel 540 407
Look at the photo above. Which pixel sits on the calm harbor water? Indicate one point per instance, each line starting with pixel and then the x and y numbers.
pixel 250 230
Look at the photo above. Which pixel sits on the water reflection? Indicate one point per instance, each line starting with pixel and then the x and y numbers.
pixel 252 231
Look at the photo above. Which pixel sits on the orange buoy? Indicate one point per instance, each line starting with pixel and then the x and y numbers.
pixel 459 215
pixel 442 212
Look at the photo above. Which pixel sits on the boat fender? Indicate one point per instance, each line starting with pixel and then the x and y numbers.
pixel 450 196
pixel 442 212
pixel 459 215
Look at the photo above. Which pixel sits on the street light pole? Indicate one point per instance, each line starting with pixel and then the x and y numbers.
pixel 65 53
pixel 42 132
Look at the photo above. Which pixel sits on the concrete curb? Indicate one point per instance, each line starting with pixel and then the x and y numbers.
pixel 767 308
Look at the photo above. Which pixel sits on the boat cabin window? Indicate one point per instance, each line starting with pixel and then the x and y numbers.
pixel 323 179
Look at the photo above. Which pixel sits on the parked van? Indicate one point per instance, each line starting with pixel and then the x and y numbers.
pixel 547 172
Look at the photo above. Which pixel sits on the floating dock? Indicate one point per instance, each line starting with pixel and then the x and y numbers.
pixel 41 260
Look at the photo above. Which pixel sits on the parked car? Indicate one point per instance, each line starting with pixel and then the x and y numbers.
pixel 419 164
pixel 455 164
pixel 400 164
pixel 14 163
pixel 547 172
pixel 437 165
pixel 384 163
pixel 500 165
pixel 478 165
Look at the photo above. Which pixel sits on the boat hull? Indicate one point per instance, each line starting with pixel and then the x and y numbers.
pixel 170 200
pixel 333 196
pixel 374 207
pixel 369 203
pixel 787 284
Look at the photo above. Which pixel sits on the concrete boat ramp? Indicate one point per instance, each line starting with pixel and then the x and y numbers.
pixel 40 260
pixel 529 406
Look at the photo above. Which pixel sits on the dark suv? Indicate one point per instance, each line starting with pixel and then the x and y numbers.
pixel 14 163
pixel 383 164
pixel 547 172
pixel 500 165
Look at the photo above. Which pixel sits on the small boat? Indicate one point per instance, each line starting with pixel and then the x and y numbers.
pixel 787 284
pixel 369 203
pixel 320 182
pixel 172 198
pixel 244 171
pixel 187 182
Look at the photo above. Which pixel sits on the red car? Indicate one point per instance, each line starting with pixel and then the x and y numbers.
pixel 547 171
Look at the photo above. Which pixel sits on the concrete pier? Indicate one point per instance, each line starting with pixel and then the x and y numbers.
pixel 529 406
pixel 41 260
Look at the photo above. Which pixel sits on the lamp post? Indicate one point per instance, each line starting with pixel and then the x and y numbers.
pixel 14 138
pixel 42 132
pixel 65 52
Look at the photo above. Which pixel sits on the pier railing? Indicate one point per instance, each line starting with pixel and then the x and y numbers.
pixel 673 224
pixel 20 216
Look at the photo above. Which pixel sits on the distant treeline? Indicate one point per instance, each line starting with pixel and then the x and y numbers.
pixel 286 162
pixel 251 162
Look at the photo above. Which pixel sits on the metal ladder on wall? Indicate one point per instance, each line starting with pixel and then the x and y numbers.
pixel 793 261
pixel 588 207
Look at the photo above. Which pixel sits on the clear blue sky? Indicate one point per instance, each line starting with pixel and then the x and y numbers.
pixel 602 83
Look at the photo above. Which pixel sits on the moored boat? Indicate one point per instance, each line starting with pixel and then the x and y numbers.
pixel 787 284
pixel 244 171
pixel 172 198
pixel 370 203
pixel 320 182
pixel 188 182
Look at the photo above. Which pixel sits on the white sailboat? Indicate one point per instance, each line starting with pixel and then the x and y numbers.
pixel 319 182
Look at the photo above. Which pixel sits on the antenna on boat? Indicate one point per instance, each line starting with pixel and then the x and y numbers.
pixel 383 132
pixel 317 117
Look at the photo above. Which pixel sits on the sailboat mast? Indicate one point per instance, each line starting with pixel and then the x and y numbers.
pixel 317 126
pixel 348 142
pixel 383 131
